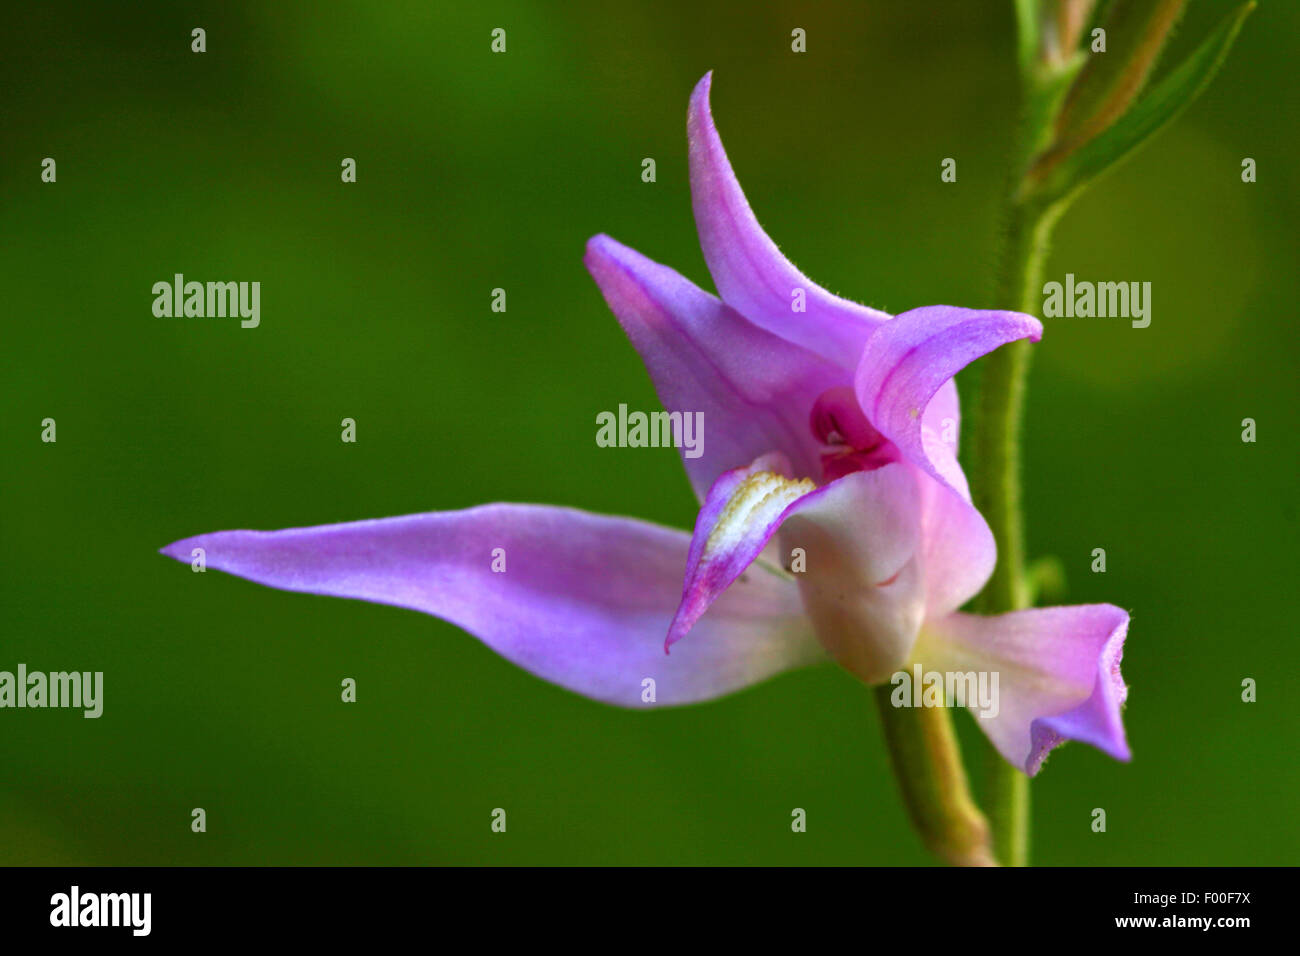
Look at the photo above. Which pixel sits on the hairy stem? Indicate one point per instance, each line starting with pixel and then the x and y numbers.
pixel 995 458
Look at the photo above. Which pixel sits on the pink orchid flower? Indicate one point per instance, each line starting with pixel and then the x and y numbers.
pixel 831 435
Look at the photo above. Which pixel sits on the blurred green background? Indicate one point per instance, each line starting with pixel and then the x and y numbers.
pixel 477 171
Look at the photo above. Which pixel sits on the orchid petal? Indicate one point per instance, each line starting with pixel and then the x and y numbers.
pixel 753 388
pixel 1058 674
pixel 751 274
pixel 910 359
pixel 943 415
pixel 741 512
pixel 858 534
pixel 583 602
pixel 957 545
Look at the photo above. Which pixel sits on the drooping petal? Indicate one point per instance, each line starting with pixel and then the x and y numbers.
pixel 753 388
pixel 1058 673
pixel 911 358
pixel 751 274
pixel 856 539
pixel 943 415
pixel 583 601
pixel 957 546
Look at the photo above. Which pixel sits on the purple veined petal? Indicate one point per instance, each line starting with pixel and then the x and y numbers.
pixel 751 274
pixel 584 600
pixel 858 572
pixel 753 389
pixel 909 360
pixel 1058 675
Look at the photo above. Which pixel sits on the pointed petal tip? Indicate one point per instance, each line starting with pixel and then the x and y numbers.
pixel 606 257
pixel 177 550
pixel 701 91
pixel 604 252
pixel 699 116
pixel 597 247
pixel 690 610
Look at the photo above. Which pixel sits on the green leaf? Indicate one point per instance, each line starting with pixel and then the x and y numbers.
pixel 1050 180
pixel 1111 81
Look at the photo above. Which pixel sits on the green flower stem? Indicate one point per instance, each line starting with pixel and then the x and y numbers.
pixel 995 448
pixel 922 744
pixel 927 763
pixel 995 459
pixel 992 454
pixel 1079 113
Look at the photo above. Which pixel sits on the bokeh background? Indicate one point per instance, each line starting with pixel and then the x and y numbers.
pixel 477 171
